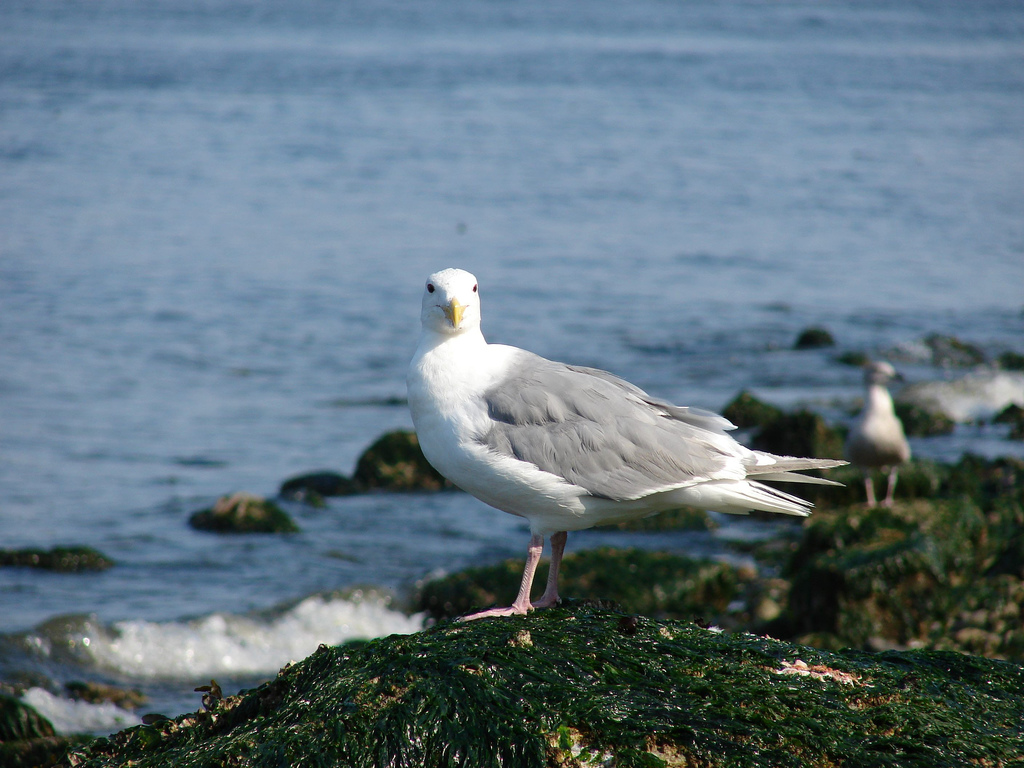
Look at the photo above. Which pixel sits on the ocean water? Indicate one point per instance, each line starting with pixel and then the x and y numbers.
pixel 216 219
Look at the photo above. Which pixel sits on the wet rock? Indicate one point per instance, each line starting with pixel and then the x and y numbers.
pixel 27 739
pixel 313 487
pixel 814 338
pixel 801 433
pixel 395 462
pixel 588 686
pixel 655 584
pixel 1013 415
pixel 19 721
pixel 1011 361
pixel 951 352
pixel 243 513
pixel 62 559
pixel 747 411
pixel 915 574
pixel 920 422
pixel 98 693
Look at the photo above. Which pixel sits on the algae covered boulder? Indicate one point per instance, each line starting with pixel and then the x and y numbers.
pixel 243 513
pixel 62 559
pixel 595 687
pixel 923 422
pixel 814 338
pixel 939 574
pixel 396 462
pixel 801 433
pixel 747 411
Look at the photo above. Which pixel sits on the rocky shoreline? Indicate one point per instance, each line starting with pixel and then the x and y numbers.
pixel 859 636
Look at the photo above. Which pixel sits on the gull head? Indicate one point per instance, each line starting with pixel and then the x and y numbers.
pixel 451 302
pixel 879 373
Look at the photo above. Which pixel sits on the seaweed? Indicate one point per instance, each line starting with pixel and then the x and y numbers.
pixel 583 686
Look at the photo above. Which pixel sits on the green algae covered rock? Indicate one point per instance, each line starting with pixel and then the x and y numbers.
pixel 922 422
pixel 747 411
pixel 801 433
pixel 941 574
pixel 655 584
pixel 814 338
pixel 396 462
pixel 243 513
pixel 595 688
pixel 61 559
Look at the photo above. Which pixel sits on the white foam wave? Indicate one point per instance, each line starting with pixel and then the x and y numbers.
pixel 227 644
pixel 978 395
pixel 68 716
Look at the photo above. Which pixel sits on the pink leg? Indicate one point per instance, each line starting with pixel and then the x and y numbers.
pixel 550 596
pixel 522 604
pixel 891 491
pixel 869 487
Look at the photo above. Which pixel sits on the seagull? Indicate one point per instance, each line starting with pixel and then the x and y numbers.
pixel 876 439
pixel 567 447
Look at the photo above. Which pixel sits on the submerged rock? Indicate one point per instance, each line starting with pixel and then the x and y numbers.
pixel 595 687
pixel 62 559
pixel 243 513
pixel 396 462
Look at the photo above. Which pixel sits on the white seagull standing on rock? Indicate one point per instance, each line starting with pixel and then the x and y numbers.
pixel 876 439
pixel 567 447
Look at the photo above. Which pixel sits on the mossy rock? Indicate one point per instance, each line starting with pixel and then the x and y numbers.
pixel 747 411
pixel 986 481
pixel 313 487
pixel 396 462
pixel 61 559
pixel 655 584
pixel 243 513
pixel 1011 361
pixel 921 422
pixel 801 433
pixel 98 693
pixel 814 338
pixel 951 352
pixel 1013 415
pixel 19 721
pixel 921 573
pixel 574 687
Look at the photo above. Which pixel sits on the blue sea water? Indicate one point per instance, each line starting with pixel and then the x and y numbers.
pixel 216 219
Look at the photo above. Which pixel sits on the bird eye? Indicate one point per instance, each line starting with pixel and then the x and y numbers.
pixel 430 287
pixel 474 288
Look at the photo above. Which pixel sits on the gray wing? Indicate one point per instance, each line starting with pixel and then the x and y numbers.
pixel 602 433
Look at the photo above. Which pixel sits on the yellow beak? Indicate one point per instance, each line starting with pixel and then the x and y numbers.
pixel 454 312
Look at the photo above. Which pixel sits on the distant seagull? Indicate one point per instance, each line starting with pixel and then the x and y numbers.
pixel 876 439
pixel 567 447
